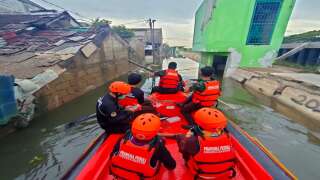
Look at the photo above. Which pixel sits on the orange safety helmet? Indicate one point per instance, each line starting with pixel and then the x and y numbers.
pixel 210 119
pixel 120 87
pixel 146 126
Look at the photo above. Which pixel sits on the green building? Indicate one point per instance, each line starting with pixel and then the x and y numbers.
pixel 240 33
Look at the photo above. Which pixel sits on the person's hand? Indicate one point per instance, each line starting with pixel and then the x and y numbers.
pixel 186 89
pixel 131 108
pixel 189 134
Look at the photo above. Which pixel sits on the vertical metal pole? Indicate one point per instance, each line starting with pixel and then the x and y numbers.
pixel 153 44
pixel 151 24
pixel 151 27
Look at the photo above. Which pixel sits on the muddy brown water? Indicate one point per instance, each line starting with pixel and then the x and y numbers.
pixel 45 150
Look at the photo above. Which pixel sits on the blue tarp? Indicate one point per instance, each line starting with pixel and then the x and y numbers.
pixel 8 105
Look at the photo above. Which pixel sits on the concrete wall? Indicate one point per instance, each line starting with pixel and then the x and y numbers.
pixel 137 50
pixel 85 74
pixel 301 98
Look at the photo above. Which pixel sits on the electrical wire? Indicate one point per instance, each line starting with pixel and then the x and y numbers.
pixel 80 15
pixel 60 7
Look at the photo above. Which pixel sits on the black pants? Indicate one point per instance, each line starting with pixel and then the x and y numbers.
pixel 189 108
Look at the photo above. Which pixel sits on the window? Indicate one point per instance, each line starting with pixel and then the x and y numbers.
pixel 263 22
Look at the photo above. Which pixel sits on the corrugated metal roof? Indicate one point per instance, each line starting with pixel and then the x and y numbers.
pixel 2 42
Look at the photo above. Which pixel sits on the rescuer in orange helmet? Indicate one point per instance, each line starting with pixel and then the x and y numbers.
pixel 141 151
pixel 207 147
pixel 112 117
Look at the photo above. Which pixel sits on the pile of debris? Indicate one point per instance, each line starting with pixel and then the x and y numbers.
pixel 35 49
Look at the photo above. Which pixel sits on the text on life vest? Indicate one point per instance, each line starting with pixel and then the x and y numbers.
pixel 217 149
pixel 133 158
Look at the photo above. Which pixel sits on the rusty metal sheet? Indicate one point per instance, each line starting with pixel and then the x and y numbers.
pixel 89 49
pixel 76 38
pixel 21 70
pixel 19 57
pixel 60 42
pixel 10 50
pixel 56 33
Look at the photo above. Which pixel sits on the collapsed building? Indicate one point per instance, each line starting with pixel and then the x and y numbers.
pixel 52 59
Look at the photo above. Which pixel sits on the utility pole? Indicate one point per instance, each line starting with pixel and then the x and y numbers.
pixel 151 24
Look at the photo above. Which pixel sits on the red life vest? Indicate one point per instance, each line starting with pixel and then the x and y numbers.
pixel 215 158
pixel 170 79
pixel 209 96
pixel 133 162
pixel 130 100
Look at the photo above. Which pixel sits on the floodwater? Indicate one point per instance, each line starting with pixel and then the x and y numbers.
pixel 46 149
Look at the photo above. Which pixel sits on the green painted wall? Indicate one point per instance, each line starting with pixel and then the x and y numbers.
pixel 228 28
pixel 206 59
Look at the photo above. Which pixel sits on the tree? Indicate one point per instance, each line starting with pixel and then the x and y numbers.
pixel 123 32
pixel 98 22
pixel 303 37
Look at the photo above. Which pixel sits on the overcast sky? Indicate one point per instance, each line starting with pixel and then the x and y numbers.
pixel 176 17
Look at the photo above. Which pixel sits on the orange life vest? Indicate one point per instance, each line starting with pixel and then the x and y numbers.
pixel 130 100
pixel 215 158
pixel 209 96
pixel 170 79
pixel 133 162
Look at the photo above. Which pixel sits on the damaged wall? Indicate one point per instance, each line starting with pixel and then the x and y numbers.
pixel 233 62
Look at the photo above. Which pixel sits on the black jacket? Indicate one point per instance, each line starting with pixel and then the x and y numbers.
pixel 110 117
